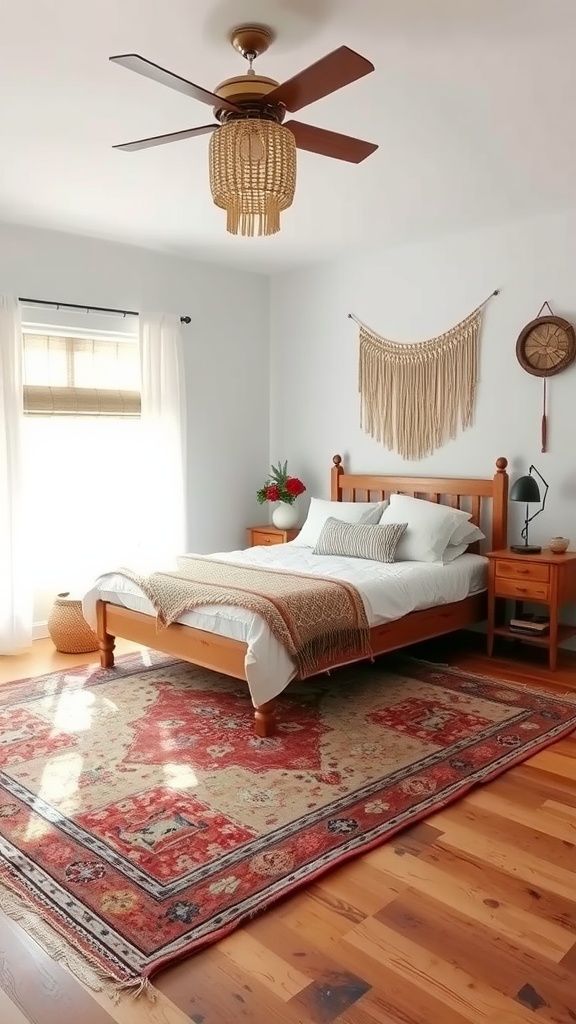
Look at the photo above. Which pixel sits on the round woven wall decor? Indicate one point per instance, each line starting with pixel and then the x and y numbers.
pixel 546 346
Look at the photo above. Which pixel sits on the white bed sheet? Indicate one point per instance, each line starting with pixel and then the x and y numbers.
pixel 389 591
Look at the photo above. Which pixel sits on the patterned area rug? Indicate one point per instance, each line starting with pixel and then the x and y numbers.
pixel 142 818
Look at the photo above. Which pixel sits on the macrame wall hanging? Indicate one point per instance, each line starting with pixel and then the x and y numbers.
pixel 413 397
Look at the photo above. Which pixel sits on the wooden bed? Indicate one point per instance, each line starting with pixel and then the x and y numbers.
pixel 225 655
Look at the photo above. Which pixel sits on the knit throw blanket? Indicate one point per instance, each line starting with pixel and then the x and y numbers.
pixel 319 621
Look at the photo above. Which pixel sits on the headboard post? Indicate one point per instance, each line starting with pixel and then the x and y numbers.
pixel 500 506
pixel 335 474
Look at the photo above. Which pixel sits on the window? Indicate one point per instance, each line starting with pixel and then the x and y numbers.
pixel 67 376
pixel 84 462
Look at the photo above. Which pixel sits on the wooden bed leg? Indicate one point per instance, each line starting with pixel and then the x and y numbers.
pixel 105 641
pixel 265 719
pixel 106 646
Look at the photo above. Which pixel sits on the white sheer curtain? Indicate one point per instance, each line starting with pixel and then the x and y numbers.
pixel 15 588
pixel 164 437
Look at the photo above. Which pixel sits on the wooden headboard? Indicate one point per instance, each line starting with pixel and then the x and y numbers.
pixel 470 495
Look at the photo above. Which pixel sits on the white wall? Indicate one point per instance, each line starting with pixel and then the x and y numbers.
pixel 411 294
pixel 226 352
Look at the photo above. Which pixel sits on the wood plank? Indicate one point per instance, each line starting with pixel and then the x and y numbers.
pixel 9 1012
pixel 529 838
pixel 392 1003
pixel 511 859
pixel 358 884
pixel 505 887
pixel 210 989
pixel 459 990
pixel 562 828
pixel 476 902
pixel 549 787
pixel 321 924
pixel 245 952
pixel 296 950
pixel 532 981
pixel 41 988
pixel 324 1001
pixel 554 809
pixel 555 764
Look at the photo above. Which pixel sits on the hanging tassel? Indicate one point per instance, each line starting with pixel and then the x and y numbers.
pixel 544 420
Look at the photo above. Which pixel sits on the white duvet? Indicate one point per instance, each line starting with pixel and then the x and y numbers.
pixel 389 591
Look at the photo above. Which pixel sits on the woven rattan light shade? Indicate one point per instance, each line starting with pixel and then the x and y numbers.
pixel 252 174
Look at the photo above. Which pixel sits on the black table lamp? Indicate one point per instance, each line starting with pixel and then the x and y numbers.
pixel 526 489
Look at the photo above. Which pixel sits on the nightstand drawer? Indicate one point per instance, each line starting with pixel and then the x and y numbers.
pixel 261 537
pixel 512 569
pixel 522 590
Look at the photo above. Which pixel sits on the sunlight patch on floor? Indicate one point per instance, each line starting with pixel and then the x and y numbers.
pixel 180 776
pixel 59 789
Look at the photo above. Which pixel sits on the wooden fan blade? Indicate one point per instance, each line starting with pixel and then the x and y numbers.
pixel 159 140
pixel 337 69
pixel 134 62
pixel 339 147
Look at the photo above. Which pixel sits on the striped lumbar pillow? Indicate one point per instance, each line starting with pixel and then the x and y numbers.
pixel 359 540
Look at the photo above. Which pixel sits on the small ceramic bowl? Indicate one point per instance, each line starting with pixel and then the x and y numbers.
pixel 558 545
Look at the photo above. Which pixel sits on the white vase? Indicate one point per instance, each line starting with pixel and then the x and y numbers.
pixel 285 516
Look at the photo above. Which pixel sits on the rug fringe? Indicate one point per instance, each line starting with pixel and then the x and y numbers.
pixel 84 967
pixel 137 987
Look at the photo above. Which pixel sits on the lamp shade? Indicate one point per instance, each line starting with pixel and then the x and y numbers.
pixel 252 174
pixel 525 489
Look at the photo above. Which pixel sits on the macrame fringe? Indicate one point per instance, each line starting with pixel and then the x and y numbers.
pixel 84 967
pixel 240 221
pixel 413 398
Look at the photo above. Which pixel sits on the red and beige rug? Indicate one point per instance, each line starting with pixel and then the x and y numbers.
pixel 142 818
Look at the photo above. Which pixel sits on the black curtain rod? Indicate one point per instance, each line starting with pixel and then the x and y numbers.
pixel 88 309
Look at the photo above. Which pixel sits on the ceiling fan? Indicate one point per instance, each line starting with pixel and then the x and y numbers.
pixel 252 149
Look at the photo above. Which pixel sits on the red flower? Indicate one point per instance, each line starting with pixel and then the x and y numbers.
pixel 294 486
pixel 280 486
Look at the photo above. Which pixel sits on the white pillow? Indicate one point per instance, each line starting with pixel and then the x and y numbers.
pixel 430 527
pixel 466 533
pixel 345 511
pixel 453 551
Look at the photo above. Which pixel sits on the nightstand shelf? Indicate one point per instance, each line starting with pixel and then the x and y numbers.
pixel 544 579
pixel 564 633
pixel 265 535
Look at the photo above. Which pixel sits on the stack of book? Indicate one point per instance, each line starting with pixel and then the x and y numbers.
pixel 530 625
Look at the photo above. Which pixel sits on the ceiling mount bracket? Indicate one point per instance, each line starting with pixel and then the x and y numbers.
pixel 251 41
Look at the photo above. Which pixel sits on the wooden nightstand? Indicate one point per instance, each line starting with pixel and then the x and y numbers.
pixel 269 535
pixel 545 579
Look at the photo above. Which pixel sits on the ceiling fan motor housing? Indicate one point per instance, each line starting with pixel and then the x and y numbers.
pixel 249 92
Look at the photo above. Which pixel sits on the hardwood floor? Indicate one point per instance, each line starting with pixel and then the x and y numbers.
pixel 467 917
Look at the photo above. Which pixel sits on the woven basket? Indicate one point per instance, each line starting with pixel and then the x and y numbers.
pixel 68 628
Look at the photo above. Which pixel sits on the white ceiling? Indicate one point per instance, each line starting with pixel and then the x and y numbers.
pixel 472 104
